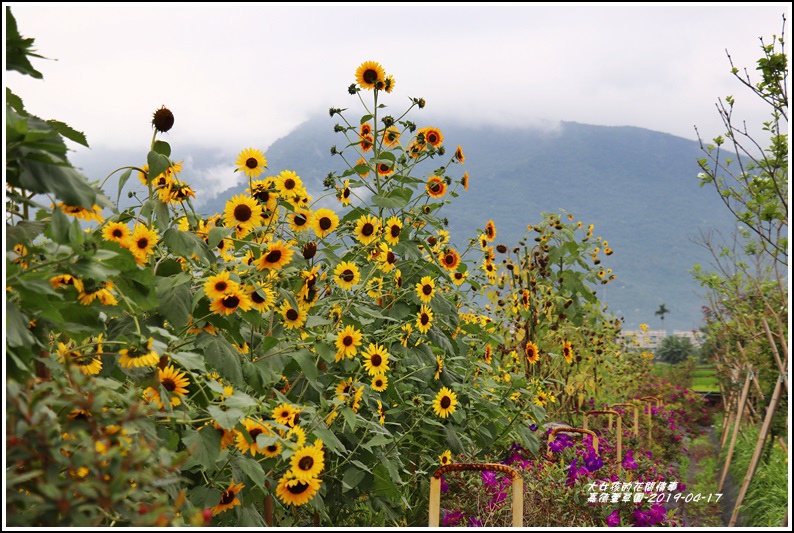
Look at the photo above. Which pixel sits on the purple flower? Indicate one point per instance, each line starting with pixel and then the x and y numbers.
pixel 452 519
pixel 556 445
pixel 444 485
pixel 533 427
pixel 628 461
pixel 497 498
pixel 593 462
pixel 475 522
pixel 641 518
pixel 488 478
pixel 613 520
pixel 658 513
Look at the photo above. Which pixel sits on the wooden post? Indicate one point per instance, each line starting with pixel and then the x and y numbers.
pixel 648 400
pixel 736 428
pixel 759 446
pixel 518 488
pixel 268 506
pixel 636 415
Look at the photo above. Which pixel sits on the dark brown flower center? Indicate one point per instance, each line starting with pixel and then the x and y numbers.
pixel 221 286
pixel 292 314
pixel 427 290
pixel 424 319
pixel 376 360
pixel 446 401
pixel 395 231
pixel 262 196
pixel 367 229
pixel 325 223
pixel 242 213
pixel 255 433
pixel 370 76
pixel 227 497
pixel 117 233
pixel 306 463
pixel 169 384
pixel 298 488
pixel 251 162
pixel 449 259
pixel 289 184
pixel 347 275
pixel 256 298
pixel 143 243
pixel 300 219
pixel 273 256
pixel 347 341
pixel 231 302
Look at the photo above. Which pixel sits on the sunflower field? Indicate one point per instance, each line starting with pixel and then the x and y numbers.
pixel 285 362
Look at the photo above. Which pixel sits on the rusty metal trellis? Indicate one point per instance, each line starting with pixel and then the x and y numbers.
pixel 518 488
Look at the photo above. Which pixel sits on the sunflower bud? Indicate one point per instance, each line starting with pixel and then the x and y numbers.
pixel 388 121
pixel 309 249
pixel 353 89
pixel 501 248
pixel 163 119
pixel 338 128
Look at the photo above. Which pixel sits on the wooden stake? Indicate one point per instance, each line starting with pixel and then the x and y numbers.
pixel 736 428
pixel 759 447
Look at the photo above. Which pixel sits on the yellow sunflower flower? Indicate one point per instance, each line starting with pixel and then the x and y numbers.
pixel 379 383
pixel 288 184
pixel 308 462
pixel 369 73
pixel 436 187
pixel 367 229
pixel 299 220
pixel 391 137
pixel 392 231
pixel 282 413
pixel 490 231
pixel 174 382
pixel 465 181
pixel 242 213
pixel 347 341
pixel 230 302
pixel 531 351
pixel 138 356
pixel 89 364
pixel 253 428
pixel 567 352
pixel 295 492
pixel 117 232
pixel 445 458
pixel 459 157
pixel 424 319
pixel 376 360
pixel 293 318
pixel 324 222
pixel 262 298
pixel 425 289
pixel 229 498
pixel 252 162
pixel 346 275
pixel 276 256
pixel 445 402
pixel 219 285
pixel 142 243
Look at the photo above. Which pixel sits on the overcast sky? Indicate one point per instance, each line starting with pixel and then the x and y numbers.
pixel 239 75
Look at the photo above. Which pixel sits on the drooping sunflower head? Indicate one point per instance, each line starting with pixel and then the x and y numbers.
pixel 567 352
pixel 459 157
pixel 490 231
pixel 370 74
pixel 391 136
pixel 436 187
pixel 163 119
pixel 465 181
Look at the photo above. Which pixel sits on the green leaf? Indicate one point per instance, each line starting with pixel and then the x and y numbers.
pixel 383 485
pixel 176 302
pixel 225 359
pixel 349 416
pixel 227 418
pixel 17 333
pixel 394 199
pixel 329 440
pixel 18 49
pixel 190 361
pixel 240 400
pixel 203 446
pixel 122 181
pixel 253 470
pixel 453 440
pixel 162 148
pixel 377 441
pixel 23 232
pixel 14 101
pixel 158 164
pixel 186 244
pixel 353 476
pixel 216 235
pixel 68 132
pixel 305 360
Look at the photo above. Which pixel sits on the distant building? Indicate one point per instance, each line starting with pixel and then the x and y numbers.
pixel 651 339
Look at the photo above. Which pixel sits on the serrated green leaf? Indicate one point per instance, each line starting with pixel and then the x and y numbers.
pixel 306 363
pixel 224 358
pixel 122 181
pixel 69 132
pixel 329 440
pixel 252 469
pixel 353 476
pixel 203 446
pixel 228 418
pixel 186 244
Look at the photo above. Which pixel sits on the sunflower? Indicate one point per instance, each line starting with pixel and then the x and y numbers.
pixel 391 136
pixel 367 229
pixel 567 352
pixel 465 181
pixel 386 258
pixel 379 383
pixel 343 388
pixel 346 342
pixel 424 319
pixel 137 356
pixel 343 194
pixel 230 302
pixel 436 187
pixel 425 289
pixel 488 355
pixel 253 429
pixel 366 143
pixel 375 288
pixel 525 299
pixel 381 412
pixel 439 367
pixel 142 243
pixel 459 277
pixel 242 213
pixel 64 280
pixel 324 222
pixel 392 230
pixel 308 462
pixel 388 86
pixel 490 231
pixel 459 157
pixel 88 365
pixel 102 293
pixel 282 414
pixel 262 298
pixel 415 149
pixel 172 381
pixel 252 162
pixel 346 275
pixel 299 434
pixel 376 360
pixel 95 213
pixel 445 402
pixel 384 169
pixel 299 220
pixel 293 318
pixel 263 192
pixel 219 285
pixel 276 256
pixel 445 458
pixel 365 129
pixel 117 232
pixel 288 183
pixel 369 73
pixel 531 351
pixel 295 492
pixel 228 499
pixel 432 136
